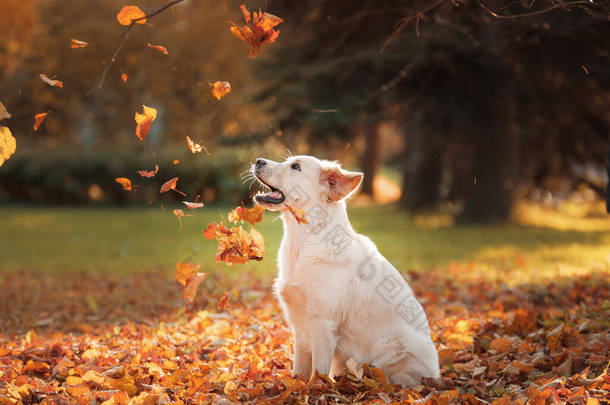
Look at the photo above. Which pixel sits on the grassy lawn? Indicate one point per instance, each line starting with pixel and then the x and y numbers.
pixel 115 240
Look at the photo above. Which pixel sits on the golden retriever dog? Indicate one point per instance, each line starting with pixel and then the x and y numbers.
pixel 342 299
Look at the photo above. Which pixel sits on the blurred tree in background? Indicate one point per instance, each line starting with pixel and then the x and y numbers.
pixel 474 103
pixel 485 103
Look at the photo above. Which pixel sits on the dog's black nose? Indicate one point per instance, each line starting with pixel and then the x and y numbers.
pixel 260 162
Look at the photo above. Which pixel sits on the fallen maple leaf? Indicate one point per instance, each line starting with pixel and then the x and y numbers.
pixel 3 113
pixel 8 144
pixel 298 214
pixel 192 205
pixel 149 173
pixel 170 185
pixel 220 89
pixel 125 182
pixel 144 120
pixel 78 44
pixel 38 118
pixel 159 48
pixel 51 82
pixel 251 215
pixel 223 302
pixel 195 147
pixel 131 14
pixel 124 77
pixel 258 31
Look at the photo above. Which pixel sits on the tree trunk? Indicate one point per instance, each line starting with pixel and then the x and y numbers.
pixel 495 165
pixel 422 172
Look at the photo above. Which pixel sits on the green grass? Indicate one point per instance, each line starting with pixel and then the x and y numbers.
pixel 119 240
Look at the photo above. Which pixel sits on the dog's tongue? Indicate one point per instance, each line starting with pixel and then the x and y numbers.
pixel 275 194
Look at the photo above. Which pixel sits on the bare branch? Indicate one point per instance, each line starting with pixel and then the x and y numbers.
pixel 534 13
pixel 123 40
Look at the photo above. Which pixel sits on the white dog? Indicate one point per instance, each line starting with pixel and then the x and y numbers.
pixel 341 298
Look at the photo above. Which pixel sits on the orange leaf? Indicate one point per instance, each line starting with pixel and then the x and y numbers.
pixel 501 344
pixel 144 121
pixel 125 182
pixel 192 205
pixel 210 232
pixel 235 245
pixel 38 118
pixel 78 44
pixel 220 89
pixel 298 214
pixel 131 14
pixel 170 185
pixel 251 215
pixel 258 31
pixel 124 77
pixel 51 82
pixel 179 214
pixel 195 147
pixel 176 162
pixel 184 272
pixel 193 285
pixel 149 173
pixel 159 48
pixel 223 302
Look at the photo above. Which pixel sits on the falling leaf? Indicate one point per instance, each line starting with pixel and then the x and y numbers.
pixel 171 185
pixel 258 31
pixel 179 214
pixel 210 232
pixel 38 118
pixel 192 205
pixel 223 302
pixel 251 215
pixel 124 77
pixel 195 147
pixel 128 14
pixel 51 82
pixel 3 113
pixel 220 89
pixel 298 214
pixel 125 182
pixel 78 44
pixel 159 48
pixel 176 162
pixel 8 144
pixel 235 245
pixel 187 274
pixel 144 120
pixel 149 173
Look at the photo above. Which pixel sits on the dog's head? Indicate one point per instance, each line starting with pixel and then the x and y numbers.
pixel 301 180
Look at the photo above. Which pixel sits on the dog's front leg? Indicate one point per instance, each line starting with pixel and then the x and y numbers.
pixel 302 357
pixel 323 345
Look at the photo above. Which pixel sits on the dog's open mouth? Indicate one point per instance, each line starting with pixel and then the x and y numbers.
pixel 275 196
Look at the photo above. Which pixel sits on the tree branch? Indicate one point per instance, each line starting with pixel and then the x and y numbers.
pixel 534 13
pixel 123 40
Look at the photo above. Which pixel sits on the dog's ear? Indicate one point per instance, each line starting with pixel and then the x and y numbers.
pixel 341 183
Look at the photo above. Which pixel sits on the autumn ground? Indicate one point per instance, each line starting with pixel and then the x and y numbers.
pixel 89 311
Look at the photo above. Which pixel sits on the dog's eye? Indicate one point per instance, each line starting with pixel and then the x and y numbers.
pixel 296 166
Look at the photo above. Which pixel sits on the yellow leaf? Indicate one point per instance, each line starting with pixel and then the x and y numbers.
pixel 8 144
